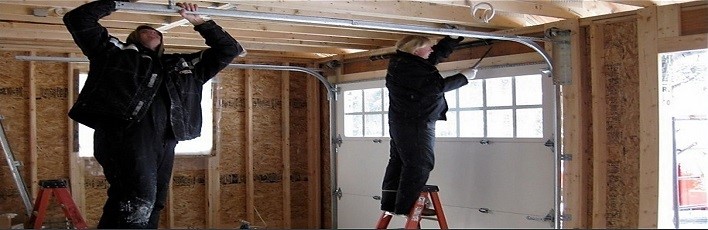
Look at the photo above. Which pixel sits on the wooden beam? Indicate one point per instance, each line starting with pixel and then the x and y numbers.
pixel 33 164
pixel 680 43
pixel 285 132
pixel 213 180
pixel 250 189
pixel 76 163
pixel 599 128
pixel 314 155
pixel 668 27
pixel 517 7
pixel 574 132
pixel 647 25
pixel 213 186
pixel 407 10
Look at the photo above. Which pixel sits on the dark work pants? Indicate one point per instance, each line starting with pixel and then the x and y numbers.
pixel 137 162
pixel 411 160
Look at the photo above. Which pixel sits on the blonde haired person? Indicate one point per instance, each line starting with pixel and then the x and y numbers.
pixel 417 101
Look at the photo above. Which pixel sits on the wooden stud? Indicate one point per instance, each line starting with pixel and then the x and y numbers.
pixel 599 128
pixel 314 153
pixel 76 164
pixel 574 136
pixel 250 190
pixel 34 181
pixel 285 130
pixel 213 186
pixel 647 24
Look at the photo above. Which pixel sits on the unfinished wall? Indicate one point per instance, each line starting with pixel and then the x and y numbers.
pixel 206 191
pixel 617 176
pixel 617 89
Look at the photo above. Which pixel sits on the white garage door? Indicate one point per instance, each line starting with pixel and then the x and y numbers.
pixel 492 166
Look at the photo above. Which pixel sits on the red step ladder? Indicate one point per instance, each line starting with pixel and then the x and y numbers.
pixel 429 192
pixel 59 189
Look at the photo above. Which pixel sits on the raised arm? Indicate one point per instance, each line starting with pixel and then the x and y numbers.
pixel 443 49
pixel 83 25
pixel 223 48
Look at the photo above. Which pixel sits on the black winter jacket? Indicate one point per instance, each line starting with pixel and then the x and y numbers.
pixel 416 88
pixel 123 78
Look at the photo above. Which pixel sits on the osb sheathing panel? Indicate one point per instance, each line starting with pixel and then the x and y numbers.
pixel 51 84
pixel 51 95
pixel 298 149
pixel 267 145
pixel 14 107
pixel 325 159
pixel 621 73
pixel 95 190
pixel 231 136
pixel 188 191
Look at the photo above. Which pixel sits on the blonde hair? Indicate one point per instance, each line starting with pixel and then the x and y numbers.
pixel 411 43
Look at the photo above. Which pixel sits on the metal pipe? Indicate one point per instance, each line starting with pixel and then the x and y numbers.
pixel 528 41
pixel 331 96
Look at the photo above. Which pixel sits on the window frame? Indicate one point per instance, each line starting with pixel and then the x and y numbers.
pixel 546 105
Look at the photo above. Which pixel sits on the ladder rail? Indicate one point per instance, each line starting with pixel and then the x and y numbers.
pixel 413 218
pixel 21 187
pixel 58 189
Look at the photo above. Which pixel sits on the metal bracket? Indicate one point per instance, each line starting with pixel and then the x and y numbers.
pixel 338 140
pixel 562 66
pixel 548 218
pixel 566 157
pixel 338 193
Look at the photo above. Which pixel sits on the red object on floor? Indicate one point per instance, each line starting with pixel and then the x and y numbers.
pixel 57 188
pixel 414 217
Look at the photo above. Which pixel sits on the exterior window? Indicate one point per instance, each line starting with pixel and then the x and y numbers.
pixel 198 146
pixel 501 107
pixel 504 107
pixel 366 112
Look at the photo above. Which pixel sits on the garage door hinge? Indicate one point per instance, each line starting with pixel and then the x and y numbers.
pixel 338 193
pixel 566 157
pixel 338 140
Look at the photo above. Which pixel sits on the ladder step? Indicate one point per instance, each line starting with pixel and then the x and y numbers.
pixel 428 192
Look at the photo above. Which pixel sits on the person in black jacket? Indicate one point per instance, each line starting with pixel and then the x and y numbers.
pixel 141 102
pixel 417 100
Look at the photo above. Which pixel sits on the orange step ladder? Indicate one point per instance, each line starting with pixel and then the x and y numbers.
pixel 59 189
pixel 429 192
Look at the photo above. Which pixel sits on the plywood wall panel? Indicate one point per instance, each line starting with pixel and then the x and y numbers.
pixel 267 144
pixel 298 149
pixel 620 70
pixel 230 137
pixel 14 108
pixel 52 159
pixel 268 203
pixel 188 191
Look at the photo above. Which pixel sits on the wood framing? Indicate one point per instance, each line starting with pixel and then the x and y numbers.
pixel 285 130
pixel 647 33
